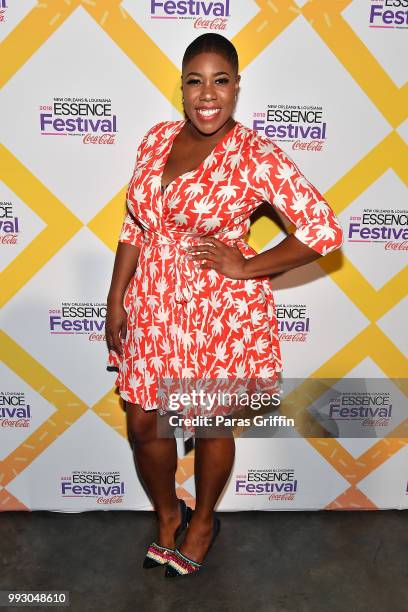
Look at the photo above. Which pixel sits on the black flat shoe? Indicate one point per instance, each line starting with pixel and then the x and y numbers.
pixel 179 564
pixel 157 555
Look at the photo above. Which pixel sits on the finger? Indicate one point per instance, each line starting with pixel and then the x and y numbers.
pixel 214 241
pixel 201 247
pixel 209 265
pixel 210 239
pixel 111 341
pixel 123 330
pixel 210 256
pixel 207 240
pixel 117 347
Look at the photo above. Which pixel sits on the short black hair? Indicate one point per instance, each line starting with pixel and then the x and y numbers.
pixel 212 43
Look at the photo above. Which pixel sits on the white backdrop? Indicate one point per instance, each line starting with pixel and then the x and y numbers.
pixel 62 434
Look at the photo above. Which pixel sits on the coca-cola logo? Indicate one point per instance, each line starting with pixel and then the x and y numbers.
pixel 102 139
pixel 211 24
pixel 396 246
pixel 116 499
pixel 8 238
pixel 313 145
pixel 18 423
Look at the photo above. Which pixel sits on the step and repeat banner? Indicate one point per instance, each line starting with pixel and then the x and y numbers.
pixel 82 83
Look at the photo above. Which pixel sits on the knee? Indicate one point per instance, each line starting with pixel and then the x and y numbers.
pixel 141 424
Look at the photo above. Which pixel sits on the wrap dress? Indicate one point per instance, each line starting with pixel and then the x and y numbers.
pixel 185 322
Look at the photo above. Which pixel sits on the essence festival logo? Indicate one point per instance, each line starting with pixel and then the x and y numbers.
pixel 89 118
pixel 388 228
pixel 105 487
pixel 3 7
pixel 293 322
pixel 303 126
pixel 85 318
pixel 14 410
pixel 206 14
pixel 371 409
pixel 9 224
pixel 277 484
pixel 389 14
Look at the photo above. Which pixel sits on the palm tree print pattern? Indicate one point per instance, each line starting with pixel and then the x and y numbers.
pixel 183 322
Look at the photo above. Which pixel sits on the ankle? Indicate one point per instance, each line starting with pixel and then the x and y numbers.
pixel 169 515
pixel 203 517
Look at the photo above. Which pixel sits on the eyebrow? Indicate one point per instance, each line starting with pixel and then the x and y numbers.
pixel 215 73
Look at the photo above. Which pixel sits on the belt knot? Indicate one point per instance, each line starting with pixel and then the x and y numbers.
pixel 185 267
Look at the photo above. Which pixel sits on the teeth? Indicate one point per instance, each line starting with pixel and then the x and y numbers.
pixel 207 113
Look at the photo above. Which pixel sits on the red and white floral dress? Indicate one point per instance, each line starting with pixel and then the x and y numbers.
pixel 185 322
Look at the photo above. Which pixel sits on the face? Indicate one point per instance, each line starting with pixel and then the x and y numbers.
pixel 209 85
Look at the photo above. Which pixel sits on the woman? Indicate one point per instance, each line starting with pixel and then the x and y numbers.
pixel 189 297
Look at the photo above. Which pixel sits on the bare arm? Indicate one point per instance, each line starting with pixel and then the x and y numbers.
pixel 127 255
pixel 123 269
pixel 116 317
pixel 289 253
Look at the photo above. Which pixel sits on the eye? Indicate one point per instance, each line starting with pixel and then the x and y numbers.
pixel 221 80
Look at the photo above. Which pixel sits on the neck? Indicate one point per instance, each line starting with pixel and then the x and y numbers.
pixel 200 137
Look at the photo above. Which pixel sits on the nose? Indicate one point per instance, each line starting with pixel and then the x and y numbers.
pixel 207 91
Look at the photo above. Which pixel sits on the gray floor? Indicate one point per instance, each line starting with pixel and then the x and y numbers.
pixel 261 561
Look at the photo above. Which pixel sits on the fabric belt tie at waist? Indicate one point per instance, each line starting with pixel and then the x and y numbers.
pixel 185 268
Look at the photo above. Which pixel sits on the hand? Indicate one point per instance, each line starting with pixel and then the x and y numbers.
pixel 115 326
pixel 219 256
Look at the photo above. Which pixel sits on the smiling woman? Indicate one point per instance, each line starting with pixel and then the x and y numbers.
pixel 209 95
pixel 190 300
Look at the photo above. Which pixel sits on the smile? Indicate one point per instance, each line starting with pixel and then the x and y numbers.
pixel 208 113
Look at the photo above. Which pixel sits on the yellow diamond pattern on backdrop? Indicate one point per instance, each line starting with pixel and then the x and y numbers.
pixel 274 16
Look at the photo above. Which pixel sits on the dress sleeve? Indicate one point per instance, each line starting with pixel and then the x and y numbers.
pixel 276 178
pixel 131 231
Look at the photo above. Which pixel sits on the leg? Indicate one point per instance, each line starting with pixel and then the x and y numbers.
pixel 156 463
pixel 213 462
